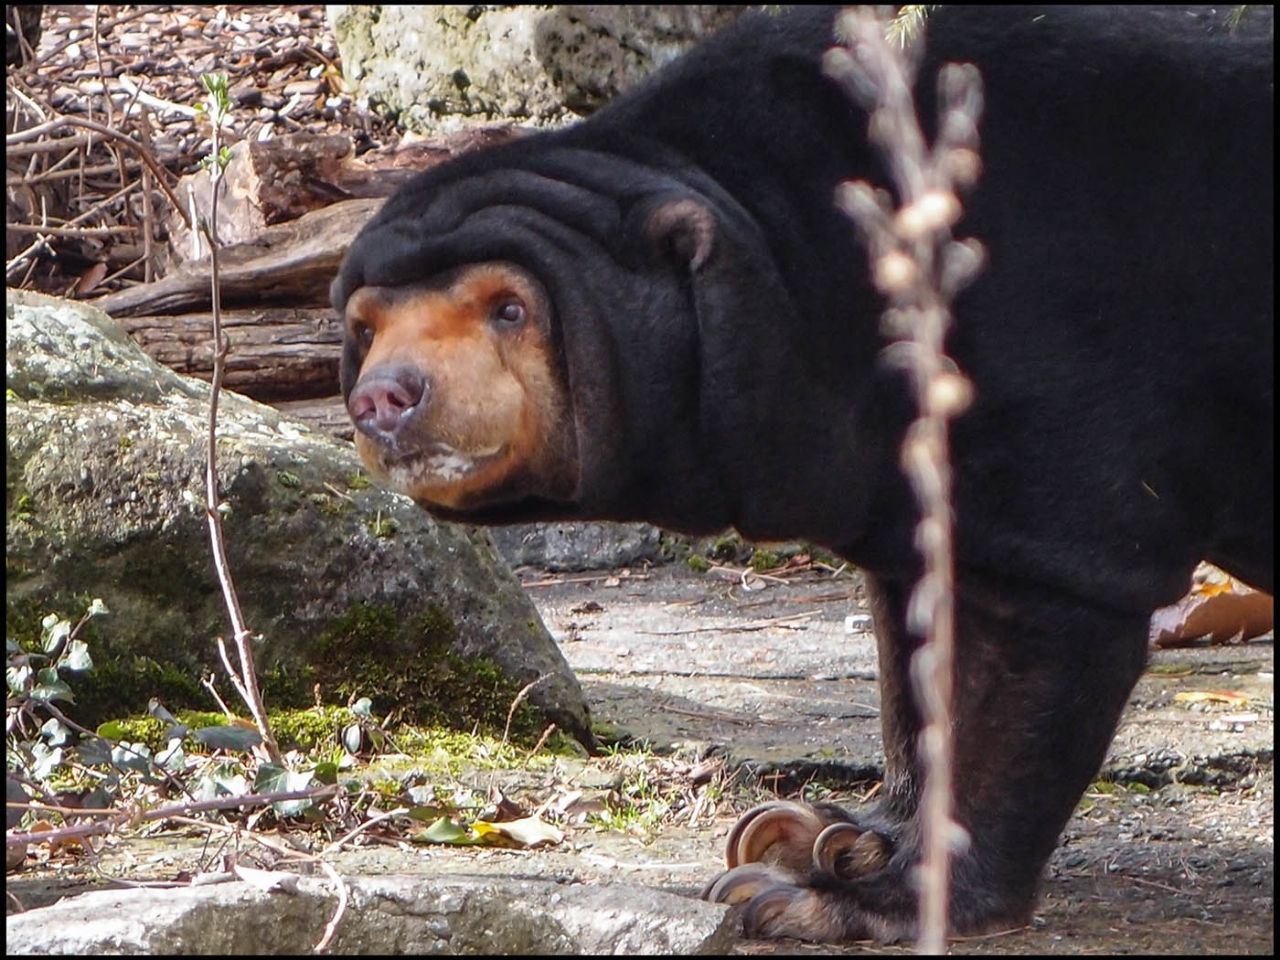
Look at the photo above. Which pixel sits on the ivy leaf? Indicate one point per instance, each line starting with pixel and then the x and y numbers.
pixel 77 657
pixel 18 678
pixel 274 779
pixel 53 633
pixel 131 756
pixel 46 760
pixel 49 687
pixel 445 830
pixel 55 732
pixel 227 737
pixel 93 752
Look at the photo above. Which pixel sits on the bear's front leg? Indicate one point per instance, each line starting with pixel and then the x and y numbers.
pixel 1041 680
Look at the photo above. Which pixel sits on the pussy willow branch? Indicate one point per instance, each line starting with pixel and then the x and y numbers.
pixel 919 268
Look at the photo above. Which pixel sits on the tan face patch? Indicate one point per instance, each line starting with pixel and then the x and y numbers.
pixel 494 423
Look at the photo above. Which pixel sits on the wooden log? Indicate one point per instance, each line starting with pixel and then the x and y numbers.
pixel 276 352
pixel 287 264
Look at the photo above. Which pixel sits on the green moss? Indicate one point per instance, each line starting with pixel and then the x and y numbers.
pixel 332 506
pixel 148 730
pixel 765 560
pixel 288 479
pixel 698 563
pixel 726 547
pixel 609 734
pixel 437 628
pixel 195 719
pixel 24 508
pixel 409 663
pixel 293 729
pixel 362 624
pixel 358 481
pixel 308 729
pixel 383 527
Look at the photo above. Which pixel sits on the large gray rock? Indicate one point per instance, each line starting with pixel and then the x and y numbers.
pixel 355 589
pixel 384 915
pixel 537 64
pixel 578 546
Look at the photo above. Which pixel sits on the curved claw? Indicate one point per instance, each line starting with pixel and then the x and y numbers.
pixel 785 910
pixel 731 857
pixel 792 825
pixel 739 884
pixel 845 851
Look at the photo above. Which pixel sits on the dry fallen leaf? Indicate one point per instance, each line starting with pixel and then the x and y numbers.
pixel 268 881
pixel 1212 696
pixel 1218 607
pixel 528 832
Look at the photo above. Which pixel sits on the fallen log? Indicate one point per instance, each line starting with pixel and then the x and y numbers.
pixel 287 264
pixel 276 353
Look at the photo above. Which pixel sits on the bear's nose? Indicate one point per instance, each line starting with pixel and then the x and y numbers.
pixel 385 399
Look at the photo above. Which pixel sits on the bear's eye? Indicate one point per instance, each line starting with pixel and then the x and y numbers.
pixel 509 313
pixel 364 335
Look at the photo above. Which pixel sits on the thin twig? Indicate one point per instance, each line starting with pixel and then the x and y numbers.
pixel 331 928
pixel 40 129
pixel 246 682
pixel 69 231
pixel 352 834
pixel 124 817
pixel 519 698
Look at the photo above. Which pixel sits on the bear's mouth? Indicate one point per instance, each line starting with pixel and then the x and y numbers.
pixel 438 463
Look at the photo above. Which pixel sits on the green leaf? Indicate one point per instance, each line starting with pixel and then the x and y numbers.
pixel 352 738
pixel 47 760
pixel 429 813
pixel 19 678
pixel 49 687
pixel 93 752
pixel 77 657
pixel 156 709
pixel 131 756
pixel 274 779
pixel 14 792
pixel 445 830
pixel 55 732
pixel 111 730
pixel 54 633
pixel 229 737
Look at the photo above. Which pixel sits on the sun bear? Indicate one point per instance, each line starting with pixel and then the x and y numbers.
pixel 659 314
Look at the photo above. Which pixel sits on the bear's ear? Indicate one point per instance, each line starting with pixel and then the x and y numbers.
pixel 680 228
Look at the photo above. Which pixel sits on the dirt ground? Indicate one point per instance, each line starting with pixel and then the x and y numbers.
pixel 773 680
pixel 1176 858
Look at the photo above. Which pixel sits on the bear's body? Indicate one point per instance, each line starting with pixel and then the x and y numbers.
pixel 659 314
